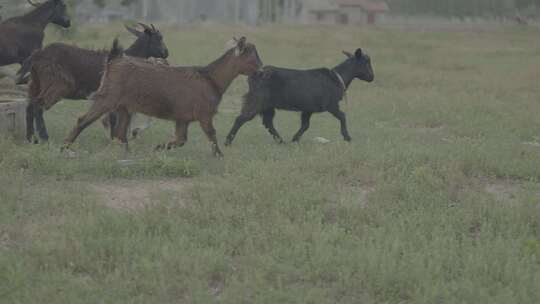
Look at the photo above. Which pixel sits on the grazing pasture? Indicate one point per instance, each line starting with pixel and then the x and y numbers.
pixel 436 199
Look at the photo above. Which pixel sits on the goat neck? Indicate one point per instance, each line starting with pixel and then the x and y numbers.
pixel 137 49
pixel 345 70
pixel 222 72
pixel 39 16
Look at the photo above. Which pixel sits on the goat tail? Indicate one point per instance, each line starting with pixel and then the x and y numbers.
pixel 116 51
pixel 22 75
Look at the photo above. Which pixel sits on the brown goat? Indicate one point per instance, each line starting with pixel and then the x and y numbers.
pixel 64 71
pixel 20 36
pixel 180 94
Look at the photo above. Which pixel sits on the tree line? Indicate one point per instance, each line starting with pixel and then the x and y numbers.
pixel 269 9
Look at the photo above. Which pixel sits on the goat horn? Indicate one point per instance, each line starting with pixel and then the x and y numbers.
pixel 146 27
pixel 33 3
pixel 153 27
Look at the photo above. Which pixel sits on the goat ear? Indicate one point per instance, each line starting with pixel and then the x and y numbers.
pixel 146 28
pixel 349 55
pixel 358 54
pixel 241 45
pixel 133 31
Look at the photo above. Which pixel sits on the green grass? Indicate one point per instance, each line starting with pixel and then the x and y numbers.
pixel 403 214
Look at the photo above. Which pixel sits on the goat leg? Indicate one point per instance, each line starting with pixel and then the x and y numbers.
pixel 140 124
pixel 110 121
pixel 40 123
pixel 268 122
pixel 98 108
pixel 238 123
pixel 180 137
pixel 305 125
pixel 121 127
pixel 210 132
pixel 30 123
pixel 341 117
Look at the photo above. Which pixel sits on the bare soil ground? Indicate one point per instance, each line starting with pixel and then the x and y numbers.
pixel 134 195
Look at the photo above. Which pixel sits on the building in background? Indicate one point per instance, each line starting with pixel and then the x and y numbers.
pixel 321 12
pixel 356 12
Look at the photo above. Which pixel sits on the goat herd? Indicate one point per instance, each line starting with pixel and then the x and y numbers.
pixel 122 82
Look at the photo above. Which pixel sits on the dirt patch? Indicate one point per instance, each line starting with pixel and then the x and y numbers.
pixel 216 286
pixel 509 191
pixel 503 190
pixel 531 144
pixel 417 127
pixel 363 193
pixel 5 240
pixel 358 194
pixel 424 128
pixel 131 196
pixel 349 195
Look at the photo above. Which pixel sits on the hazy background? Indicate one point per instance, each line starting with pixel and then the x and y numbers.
pixel 256 12
pixel 436 199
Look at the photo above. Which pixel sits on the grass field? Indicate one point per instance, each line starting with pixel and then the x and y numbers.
pixel 436 200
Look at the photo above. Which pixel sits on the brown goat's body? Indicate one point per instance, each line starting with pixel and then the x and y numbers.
pixel 18 41
pixel 65 71
pixel 179 94
pixel 73 71
pixel 131 87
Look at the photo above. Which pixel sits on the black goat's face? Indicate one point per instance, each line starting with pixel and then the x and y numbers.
pixel 156 45
pixel 152 40
pixel 59 16
pixel 361 63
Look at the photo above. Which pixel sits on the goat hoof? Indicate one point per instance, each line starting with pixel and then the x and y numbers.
pixel 160 147
pixel 68 152
pixel 32 140
pixel 217 151
pixel 348 139
pixel 278 140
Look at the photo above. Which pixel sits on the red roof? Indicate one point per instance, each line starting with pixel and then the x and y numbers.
pixel 370 6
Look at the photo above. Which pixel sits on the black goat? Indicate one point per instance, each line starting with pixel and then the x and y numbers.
pixel 308 91
pixel 64 71
pixel 20 36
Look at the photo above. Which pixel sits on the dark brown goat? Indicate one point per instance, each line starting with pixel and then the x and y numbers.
pixel 180 94
pixel 63 71
pixel 20 36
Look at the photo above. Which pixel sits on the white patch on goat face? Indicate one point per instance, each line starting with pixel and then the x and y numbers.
pixel 232 44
